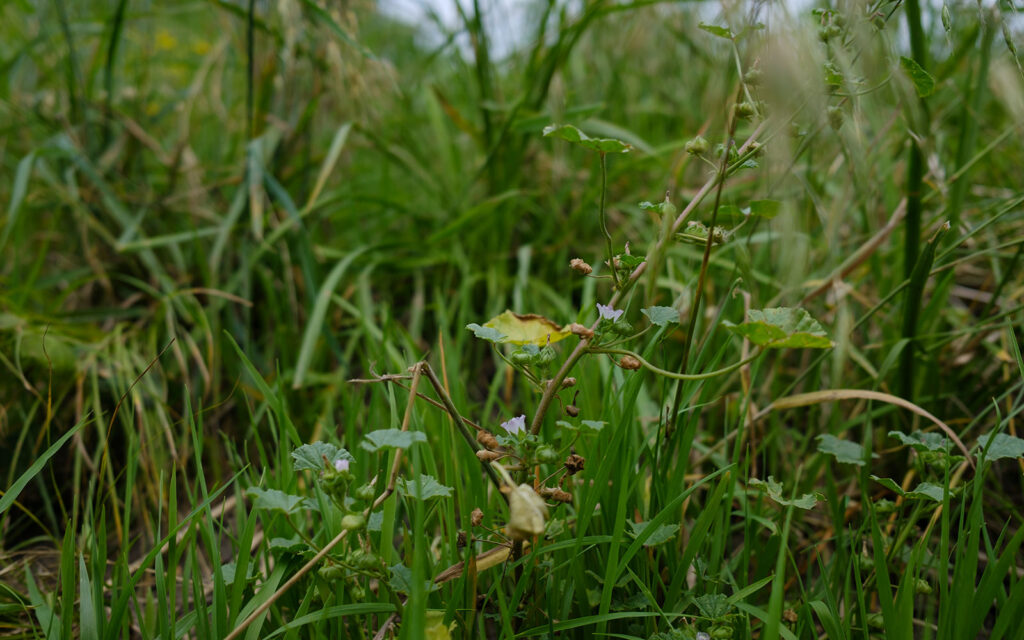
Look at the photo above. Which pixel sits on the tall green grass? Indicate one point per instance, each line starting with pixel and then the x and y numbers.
pixel 216 214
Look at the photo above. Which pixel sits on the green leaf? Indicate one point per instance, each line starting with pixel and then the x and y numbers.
pixel 311 456
pixel 713 605
pixel 275 500
pixel 1003 446
pixel 773 489
pixel 660 535
pixel 715 30
pixel 574 135
pixel 923 441
pixel 423 487
pixel 729 211
pixel 630 261
pixel 927 490
pixel 596 425
pixel 11 494
pixel 844 451
pixel 889 484
pixel 782 327
pixel 661 316
pixel 923 81
pixel 766 209
pixel 293 544
pixel 486 333
pixel 392 439
pixel 401 580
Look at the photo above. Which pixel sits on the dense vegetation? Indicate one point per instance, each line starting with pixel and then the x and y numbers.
pixel 257 379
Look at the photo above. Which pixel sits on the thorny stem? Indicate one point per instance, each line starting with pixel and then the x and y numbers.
pixel 555 384
pixel 673 374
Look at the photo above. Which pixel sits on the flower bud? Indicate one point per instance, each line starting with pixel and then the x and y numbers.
pixel 629 363
pixel 697 146
pixel 579 266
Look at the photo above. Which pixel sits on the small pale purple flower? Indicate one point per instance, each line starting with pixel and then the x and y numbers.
pixel 514 425
pixel 341 465
pixel 608 313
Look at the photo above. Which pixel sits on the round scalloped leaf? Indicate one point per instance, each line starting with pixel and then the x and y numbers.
pixel 923 441
pixel 528 328
pixel 311 456
pixel 844 451
pixel 392 439
pixel 574 135
pixel 486 333
pixel 275 500
pixel 783 327
pixel 661 316
pixel 1003 446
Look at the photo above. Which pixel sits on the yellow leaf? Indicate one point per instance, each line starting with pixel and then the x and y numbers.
pixel 527 328
pixel 436 628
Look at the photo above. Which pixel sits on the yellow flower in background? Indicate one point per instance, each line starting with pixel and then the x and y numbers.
pixel 165 40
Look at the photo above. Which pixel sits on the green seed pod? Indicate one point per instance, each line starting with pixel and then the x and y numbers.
pixel 697 146
pixel 366 492
pixel 721 632
pixel 546 454
pixel 921 587
pixel 331 572
pixel 752 76
pixel 353 522
pixel 521 358
pixel 745 110
pixel 357 591
pixel 546 355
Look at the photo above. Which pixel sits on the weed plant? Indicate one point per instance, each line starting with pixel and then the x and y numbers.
pixel 674 322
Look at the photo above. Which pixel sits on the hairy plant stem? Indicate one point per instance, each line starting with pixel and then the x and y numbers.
pixel 673 374
pixel 555 383
pixel 604 218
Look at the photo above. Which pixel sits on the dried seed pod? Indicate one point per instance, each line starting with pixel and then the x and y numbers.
pixel 629 362
pixel 580 330
pixel 460 540
pixel 568 382
pixel 574 464
pixel 572 410
pixel 476 517
pixel 487 439
pixel 486 456
pixel 579 266
pixel 556 494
